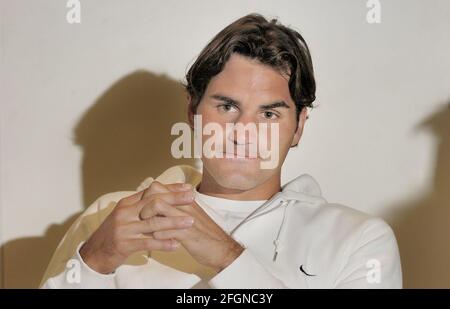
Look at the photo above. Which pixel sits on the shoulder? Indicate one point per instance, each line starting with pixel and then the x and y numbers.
pixel 363 242
pixel 348 225
pixel 351 217
pixel 177 173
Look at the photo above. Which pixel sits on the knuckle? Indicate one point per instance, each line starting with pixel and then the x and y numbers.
pixel 122 202
pixel 158 235
pixel 154 185
pixel 116 245
pixel 121 248
pixel 181 195
pixel 161 223
pixel 178 222
pixel 149 243
pixel 158 205
pixel 152 188
pixel 145 213
pixel 116 233
pixel 186 195
pixel 117 215
pixel 150 223
pixel 166 244
pixel 155 200
pixel 122 212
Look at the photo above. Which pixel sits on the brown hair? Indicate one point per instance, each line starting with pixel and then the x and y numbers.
pixel 271 43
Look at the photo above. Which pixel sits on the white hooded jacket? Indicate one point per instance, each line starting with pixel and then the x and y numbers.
pixel 294 240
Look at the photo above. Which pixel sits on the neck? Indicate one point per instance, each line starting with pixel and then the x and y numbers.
pixel 263 191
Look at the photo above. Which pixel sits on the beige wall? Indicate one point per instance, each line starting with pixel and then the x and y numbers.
pixel 87 109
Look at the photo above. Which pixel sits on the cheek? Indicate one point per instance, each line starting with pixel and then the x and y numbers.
pixel 281 136
pixel 208 114
pixel 283 143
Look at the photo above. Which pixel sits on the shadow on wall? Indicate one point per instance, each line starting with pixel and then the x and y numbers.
pixel 422 226
pixel 125 138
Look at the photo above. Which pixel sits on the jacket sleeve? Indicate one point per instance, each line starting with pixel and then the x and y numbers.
pixel 66 264
pixel 246 272
pixel 78 275
pixel 374 261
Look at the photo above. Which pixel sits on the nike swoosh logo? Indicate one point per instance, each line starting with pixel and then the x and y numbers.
pixel 303 271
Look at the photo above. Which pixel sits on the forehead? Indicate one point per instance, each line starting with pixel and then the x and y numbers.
pixel 246 78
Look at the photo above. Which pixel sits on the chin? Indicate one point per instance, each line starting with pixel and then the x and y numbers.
pixel 236 175
pixel 237 182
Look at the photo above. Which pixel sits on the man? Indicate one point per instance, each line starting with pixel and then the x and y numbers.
pixel 234 225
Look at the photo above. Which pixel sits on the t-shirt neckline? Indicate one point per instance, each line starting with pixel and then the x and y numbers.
pixel 220 203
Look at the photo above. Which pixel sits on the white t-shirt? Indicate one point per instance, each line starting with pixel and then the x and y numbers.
pixel 226 213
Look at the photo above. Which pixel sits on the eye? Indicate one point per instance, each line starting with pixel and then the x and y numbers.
pixel 270 115
pixel 227 107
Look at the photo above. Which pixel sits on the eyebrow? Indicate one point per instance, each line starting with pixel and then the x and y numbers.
pixel 263 107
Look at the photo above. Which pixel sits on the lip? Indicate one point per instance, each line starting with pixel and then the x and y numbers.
pixel 237 157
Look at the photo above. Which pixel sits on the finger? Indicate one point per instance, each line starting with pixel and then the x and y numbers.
pixel 150 244
pixel 132 199
pixel 154 187
pixel 171 199
pixel 193 210
pixel 158 187
pixel 174 187
pixel 179 186
pixel 175 198
pixel 178 234
pixel 202 221
pixel 156 207
pixel 158 224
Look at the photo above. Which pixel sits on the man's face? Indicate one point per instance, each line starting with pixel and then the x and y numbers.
pixel 242 93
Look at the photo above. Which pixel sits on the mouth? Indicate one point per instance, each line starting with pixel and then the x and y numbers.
pixel 235 156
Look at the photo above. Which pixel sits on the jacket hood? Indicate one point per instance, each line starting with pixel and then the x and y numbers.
pixel 300 190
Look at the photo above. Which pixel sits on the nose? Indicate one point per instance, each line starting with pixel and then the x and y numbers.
pixel 245 125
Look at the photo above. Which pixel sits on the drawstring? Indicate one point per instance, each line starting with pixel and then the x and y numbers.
pixel 278 241
pixel 253 215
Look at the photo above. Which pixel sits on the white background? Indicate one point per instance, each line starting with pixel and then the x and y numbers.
pixel 86 109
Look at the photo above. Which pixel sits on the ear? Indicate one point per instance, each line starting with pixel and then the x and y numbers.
pixel 190 112
pixel 301 123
